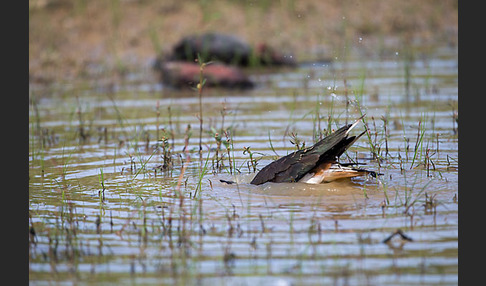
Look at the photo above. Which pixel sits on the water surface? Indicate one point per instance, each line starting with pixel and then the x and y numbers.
pixel 105 209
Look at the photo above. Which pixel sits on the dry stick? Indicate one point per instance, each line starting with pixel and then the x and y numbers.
pixel 179 182
pixel 184 166
pixel 199 89
pixel 218 139
pixel 385 121
pixel 228 141
pixel 427 162
pixel 171 129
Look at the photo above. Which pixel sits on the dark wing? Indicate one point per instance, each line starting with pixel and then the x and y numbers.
pixel 286 169
pixel 338 149
pixel 293 167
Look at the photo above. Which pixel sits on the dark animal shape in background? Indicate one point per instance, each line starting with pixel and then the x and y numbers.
pixel 228 49
pixel 315 164
pixel 180 74
pixel 179 69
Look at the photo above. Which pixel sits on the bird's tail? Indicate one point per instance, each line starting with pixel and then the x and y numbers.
pixel 355 123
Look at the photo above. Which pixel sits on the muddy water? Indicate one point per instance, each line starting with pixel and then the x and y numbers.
pixel 104 209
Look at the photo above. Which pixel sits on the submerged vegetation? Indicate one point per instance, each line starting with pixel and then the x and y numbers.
pixel 131 199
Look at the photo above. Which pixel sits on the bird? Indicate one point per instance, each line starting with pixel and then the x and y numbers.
pixel 316 164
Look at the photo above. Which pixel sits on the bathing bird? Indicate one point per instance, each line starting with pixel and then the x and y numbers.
pixel 316 164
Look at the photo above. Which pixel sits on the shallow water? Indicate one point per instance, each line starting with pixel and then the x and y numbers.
pixel 103 210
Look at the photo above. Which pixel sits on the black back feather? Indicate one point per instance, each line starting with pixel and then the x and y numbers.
pixel 293 167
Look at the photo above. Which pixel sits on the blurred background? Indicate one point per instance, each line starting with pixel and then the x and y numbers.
pixel 80 39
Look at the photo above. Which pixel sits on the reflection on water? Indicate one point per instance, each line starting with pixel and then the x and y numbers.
pixel 109 209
